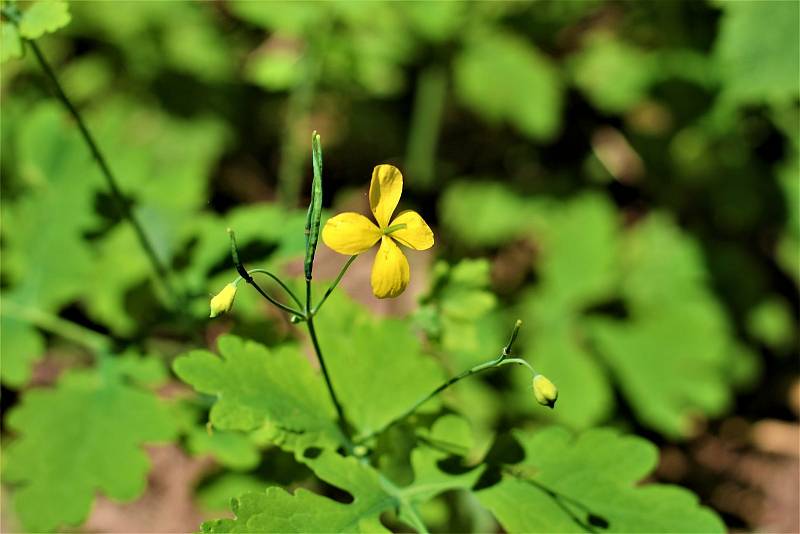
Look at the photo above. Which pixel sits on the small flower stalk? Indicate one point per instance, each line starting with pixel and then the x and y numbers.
pixel 222 302
pixel 545 391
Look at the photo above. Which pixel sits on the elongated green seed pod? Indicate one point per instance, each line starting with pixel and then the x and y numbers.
pixel 315 206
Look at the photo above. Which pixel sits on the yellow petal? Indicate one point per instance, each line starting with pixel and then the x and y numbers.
pixel 384 192
pixel 350 233
pixel 223 301
pixel 417 234
pixel 390 273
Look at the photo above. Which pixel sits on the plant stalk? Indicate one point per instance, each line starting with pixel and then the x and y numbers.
pixel 318 350
pixel 335 283
pixel 162 274
pixel 497 362
pixel 92 340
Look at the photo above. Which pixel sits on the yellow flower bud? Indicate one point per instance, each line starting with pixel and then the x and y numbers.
pixel 222 302
pixel 545 391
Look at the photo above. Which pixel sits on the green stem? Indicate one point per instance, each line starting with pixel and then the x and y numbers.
pixel 244 274
pixel 497 362
pixel 404 505
pixel 430 97
pixel 249 279
pixel 335 283
pixel 318 350
pixel 280 283
pixel 90 339
pixel 518 361
pixel 162 274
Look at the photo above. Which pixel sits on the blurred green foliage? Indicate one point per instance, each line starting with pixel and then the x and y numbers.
pixel 623 176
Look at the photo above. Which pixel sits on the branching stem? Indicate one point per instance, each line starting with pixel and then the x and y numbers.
pixel 333 285
pixel 502 359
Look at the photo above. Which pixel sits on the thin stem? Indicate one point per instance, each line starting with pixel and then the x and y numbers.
pixel 90 339
pixel 315 342
pixel 335 283
pixel 518 361
pixel 280 283
pixel 162 274
pixel 284 307
pixel 469 372
pixel 430 98
pixel 244 274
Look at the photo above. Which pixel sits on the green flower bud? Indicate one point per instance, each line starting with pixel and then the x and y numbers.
pixel 222 302
pixel 294 319
pixel 545 391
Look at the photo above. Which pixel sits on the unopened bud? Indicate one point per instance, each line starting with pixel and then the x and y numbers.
pixel 545 391
pixel 294 319
pixel 222 302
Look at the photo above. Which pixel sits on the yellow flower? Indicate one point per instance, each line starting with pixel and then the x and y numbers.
pixel 352 233
pixel 222 302
pixel 545 391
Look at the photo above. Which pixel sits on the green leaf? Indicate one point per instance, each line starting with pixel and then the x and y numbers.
pixel 578 262
pixel 452 311
pixel 613 74
pixel 52 214
pixel 148 371
pixel 83 436
pixel 276 510
pixel 256 386
pixel 231 449
pixel 670 366
pixel 483 213
pixel 756 51
pixel 216 495
pixel 21 345
pixel 44 16
pixel 376 365
pixel 671 355
pixel 504 79
pixel 10 43
pixel 276 68
pixel 577 267
pixel 373 493
pixel 568 484
pixel 435 21
pixel 771 322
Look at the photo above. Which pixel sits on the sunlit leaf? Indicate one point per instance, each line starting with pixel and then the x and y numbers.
pixel 81 437
pixel 591 483
pixel 256 386
pixel 756 53
pixel 377 369
pixel 44 16
pixel 21 345
pixel 504 79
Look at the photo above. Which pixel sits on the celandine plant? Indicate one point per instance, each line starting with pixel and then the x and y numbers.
pixel 352 234
pixel 376 429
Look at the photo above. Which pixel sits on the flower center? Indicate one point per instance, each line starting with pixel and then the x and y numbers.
pixel 389 229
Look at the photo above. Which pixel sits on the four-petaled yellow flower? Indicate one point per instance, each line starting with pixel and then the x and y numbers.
pixel 352 233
